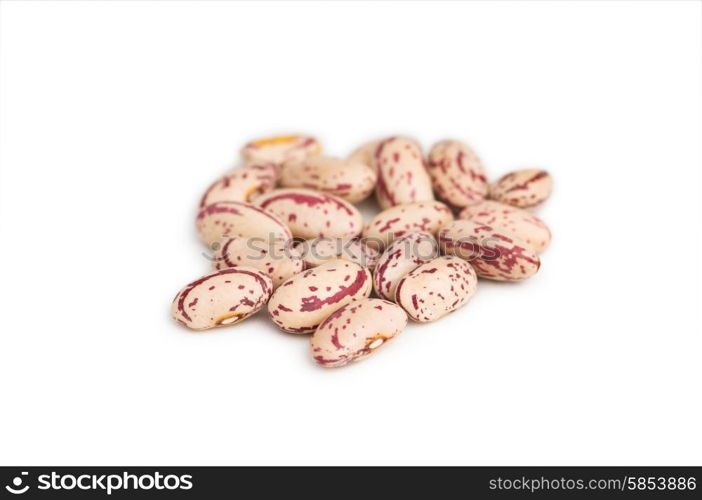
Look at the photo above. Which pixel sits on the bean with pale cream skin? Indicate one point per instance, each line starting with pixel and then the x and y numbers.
pixel 401 257
pixel 311 214
pixel 364 154
pixel 317 251
pixel 494 253
pixel 274 258
pixel 282 148
pixel 350 181
pixel 356 331
pixel 402 173
pixel 222 298
pixel 436 288
pixel 242 184
pixel 302 302
pixel 222 220
pixel 526 188
pixel 457 173
pixel 394 222
pixel 514 221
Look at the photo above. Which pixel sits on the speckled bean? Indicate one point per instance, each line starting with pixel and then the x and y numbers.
pixel 276 258
pixel 392 223
pixel 494 253
pixel 356 331
pixel 311 214
pixel 223 298
pixel 317 251
pixel 526 188
pixel 364 154
pixel 436 288
pixel 281 148
pixel 514 221
pixel 242 184
pixel 402 256
pixel 222 220
pixel 301 303
pixel 457 174
pixel 350 181
pixel 402 173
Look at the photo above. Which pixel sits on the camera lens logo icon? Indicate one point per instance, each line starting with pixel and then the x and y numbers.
pixel 16 488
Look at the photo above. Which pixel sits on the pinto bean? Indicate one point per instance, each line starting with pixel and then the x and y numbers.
pixel 222 220
pixel 317 251
pixel 436 288
pixel 350 181
pixel 526 188
pixel 242 184
pixel 494 253
pixel 302 302
pixel 514 221
pixel 311 214
pixel 274 258
pixel 364 154
pixel 281 148
pixel 457 174
pixel 356 331
pixel 402 256
pixel 222 298
pixel 402 173
pixel 392 223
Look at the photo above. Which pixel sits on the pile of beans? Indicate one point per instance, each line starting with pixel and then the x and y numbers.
pixel 285 234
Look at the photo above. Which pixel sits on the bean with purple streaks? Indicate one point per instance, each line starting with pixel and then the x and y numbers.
pixel 494 253
pixel 311 214
pixel 514 221
pixel 350 181
pixel 223 298
pixel 402 173
pixel 281 148
pixel 302 302
pixel 364 154
pixel 275 258
pixel 401 257
pixel 222 220
pixel 356 331
pixel 436 288
pixel 242 184
pixel 392 223
pixel 457 174
pixel 526 188
pixel 317 251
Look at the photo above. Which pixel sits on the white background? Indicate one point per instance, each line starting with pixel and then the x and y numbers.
pixel 116 116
